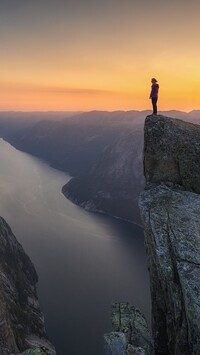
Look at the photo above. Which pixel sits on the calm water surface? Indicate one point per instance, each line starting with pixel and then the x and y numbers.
pixel 84 261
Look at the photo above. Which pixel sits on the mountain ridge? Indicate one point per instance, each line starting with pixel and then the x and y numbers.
pixel 80 144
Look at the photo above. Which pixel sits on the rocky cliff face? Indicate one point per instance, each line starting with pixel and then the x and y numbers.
pixel 172 152
pixel 170 209
pixel 21 321
pixel 130 334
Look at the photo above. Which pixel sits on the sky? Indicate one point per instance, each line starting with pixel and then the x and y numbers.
pixel 83 55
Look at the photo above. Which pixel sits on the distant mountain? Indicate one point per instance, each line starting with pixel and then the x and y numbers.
pixel 192 116
pixel 114 183
pixel 76 143
pixel 11 122
pixel 101 150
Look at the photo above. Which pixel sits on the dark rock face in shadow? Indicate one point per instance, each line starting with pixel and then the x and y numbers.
pixel 170 212
pixel 21 321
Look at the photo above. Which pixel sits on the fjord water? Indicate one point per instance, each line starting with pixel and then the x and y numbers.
pixel 84 261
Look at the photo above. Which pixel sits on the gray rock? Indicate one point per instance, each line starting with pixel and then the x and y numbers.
pixel 37 351
pixel 135 350
pixel 21 321
pixel 130 334
pixel 115 343
pixel 172 228
pixel 129 320
pixel 172 152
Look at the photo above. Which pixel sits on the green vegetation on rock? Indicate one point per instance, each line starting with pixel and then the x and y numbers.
pixel 36 351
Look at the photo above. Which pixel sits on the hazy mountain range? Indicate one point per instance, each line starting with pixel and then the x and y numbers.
pixel 101 150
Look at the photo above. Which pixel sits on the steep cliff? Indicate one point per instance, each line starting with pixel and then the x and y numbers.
pixel 130 334
pixel 172 152
pixel 170 209
pixel 21 321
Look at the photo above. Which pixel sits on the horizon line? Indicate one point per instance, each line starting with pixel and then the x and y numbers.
pixel 94 110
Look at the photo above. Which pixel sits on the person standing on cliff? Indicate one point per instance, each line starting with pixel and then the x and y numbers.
pixel 154 95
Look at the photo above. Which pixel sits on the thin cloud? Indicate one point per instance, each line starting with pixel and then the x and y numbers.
pixel 51 89
pixel 76 91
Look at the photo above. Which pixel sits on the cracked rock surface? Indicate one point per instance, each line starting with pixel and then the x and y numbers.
pixel 172 152
pixel 130 333
pixel 170 212
pixel 172 228
pixel 21 320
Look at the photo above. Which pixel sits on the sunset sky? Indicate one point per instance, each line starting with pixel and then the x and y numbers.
pixel 100 54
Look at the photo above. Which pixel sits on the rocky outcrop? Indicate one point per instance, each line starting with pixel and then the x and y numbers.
pixel 21 321
pixel 172 229
pixel 170 209
pixel 172 152
pixel 130 334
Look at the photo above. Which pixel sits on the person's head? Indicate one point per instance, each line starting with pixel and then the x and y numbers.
pixel 154 81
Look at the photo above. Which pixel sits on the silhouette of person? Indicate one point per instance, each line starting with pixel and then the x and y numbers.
pixel 154 95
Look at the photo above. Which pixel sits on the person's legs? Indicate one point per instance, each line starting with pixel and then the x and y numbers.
pixel 154 104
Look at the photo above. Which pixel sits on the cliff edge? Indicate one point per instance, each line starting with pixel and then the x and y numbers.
pixel 170 209
pixel 21 321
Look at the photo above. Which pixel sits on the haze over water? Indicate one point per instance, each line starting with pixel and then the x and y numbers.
pixel 84 261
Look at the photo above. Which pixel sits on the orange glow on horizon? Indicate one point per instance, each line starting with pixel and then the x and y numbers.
pixel 101 56
pixel 33 98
